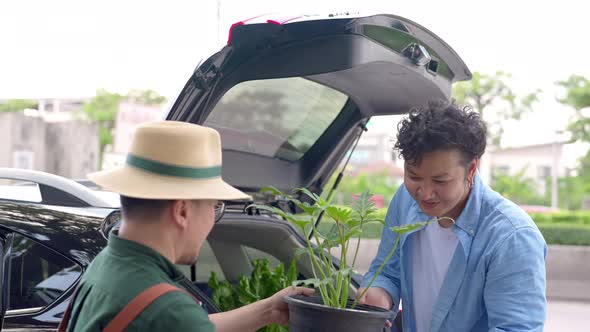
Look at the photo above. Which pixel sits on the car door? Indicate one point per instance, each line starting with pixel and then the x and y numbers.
pixel 3 279
pixel 34 283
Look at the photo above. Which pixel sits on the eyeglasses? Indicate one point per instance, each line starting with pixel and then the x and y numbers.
pixel 219 210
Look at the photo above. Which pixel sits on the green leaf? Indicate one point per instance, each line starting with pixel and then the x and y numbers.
pixel 363 205
pixel 223 293
pixel 315 282
pixel 272 190
pixel 308 193
pixel 319 202
pixel 352 234
pixel 303 223
pixel 344 272
pixel 374 222
pixel 247 290
pixel 300 251
pixel 311 210
pixel 402 229
pixel 268 208
pixel 291 273
pixel 331 236
pixel 338 214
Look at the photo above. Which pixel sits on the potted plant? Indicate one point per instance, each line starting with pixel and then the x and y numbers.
pixel 333 309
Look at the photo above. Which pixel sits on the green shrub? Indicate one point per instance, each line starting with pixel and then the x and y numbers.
pixel 567 217
pixel 567 234
pixel 541 218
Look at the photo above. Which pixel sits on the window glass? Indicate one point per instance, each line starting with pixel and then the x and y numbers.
pixel 259 254
pixel 19 190
pixel 280 118
pixel 37 275
pixel 543 172
pixel 207 262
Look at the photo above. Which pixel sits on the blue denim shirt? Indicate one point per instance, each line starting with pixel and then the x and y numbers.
pixel 496 278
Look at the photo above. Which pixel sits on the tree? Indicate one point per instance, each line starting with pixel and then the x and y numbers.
pixel 103 109
pixel 491 92
pixel 584 171
pixel 518 188
pixel 577 95
pixel 17 105
pixel 147 97
pixel 571 192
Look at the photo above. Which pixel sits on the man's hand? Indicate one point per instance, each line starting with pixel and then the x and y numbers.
pixel 279 310
pixel 378 297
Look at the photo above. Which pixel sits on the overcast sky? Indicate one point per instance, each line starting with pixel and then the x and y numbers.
pixel 64 48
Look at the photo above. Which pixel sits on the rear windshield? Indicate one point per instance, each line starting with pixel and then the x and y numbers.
pixel 280 118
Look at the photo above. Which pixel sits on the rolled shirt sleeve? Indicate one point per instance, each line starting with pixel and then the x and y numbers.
pixel 514 292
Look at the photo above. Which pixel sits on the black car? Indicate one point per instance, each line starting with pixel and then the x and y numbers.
pixel 50 230
pixel 290 96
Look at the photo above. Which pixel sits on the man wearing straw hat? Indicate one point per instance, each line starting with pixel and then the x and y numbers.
pixel 171 196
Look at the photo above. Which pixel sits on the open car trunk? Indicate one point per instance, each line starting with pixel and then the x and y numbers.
pixel 289 95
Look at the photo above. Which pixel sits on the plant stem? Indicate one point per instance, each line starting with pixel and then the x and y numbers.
pixel 323 290
pixel 378 272
pixel 343 252
pixel 358 244
pixel 327 261
pixel 345 291
pixel 356 252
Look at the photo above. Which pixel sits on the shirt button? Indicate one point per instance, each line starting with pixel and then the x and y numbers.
pixel 471 231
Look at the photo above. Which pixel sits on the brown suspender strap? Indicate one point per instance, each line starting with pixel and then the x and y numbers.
pixel 65 320
pixel 63 324
pixel 137 305
pixel 130 311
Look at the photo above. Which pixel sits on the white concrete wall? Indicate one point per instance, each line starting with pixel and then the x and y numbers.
pixel 69 148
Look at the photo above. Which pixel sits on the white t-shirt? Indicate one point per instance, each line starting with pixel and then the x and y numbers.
pixel 433 249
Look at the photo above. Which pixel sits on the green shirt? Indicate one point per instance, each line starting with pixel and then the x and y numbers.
pixel 121 272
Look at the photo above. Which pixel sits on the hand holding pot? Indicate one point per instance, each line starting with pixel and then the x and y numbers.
pixel 279 310
pixel 378 297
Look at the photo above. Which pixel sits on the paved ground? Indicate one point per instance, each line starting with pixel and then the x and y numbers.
pixel 568 316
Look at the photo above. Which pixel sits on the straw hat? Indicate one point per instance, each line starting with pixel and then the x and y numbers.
pixel 171 160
